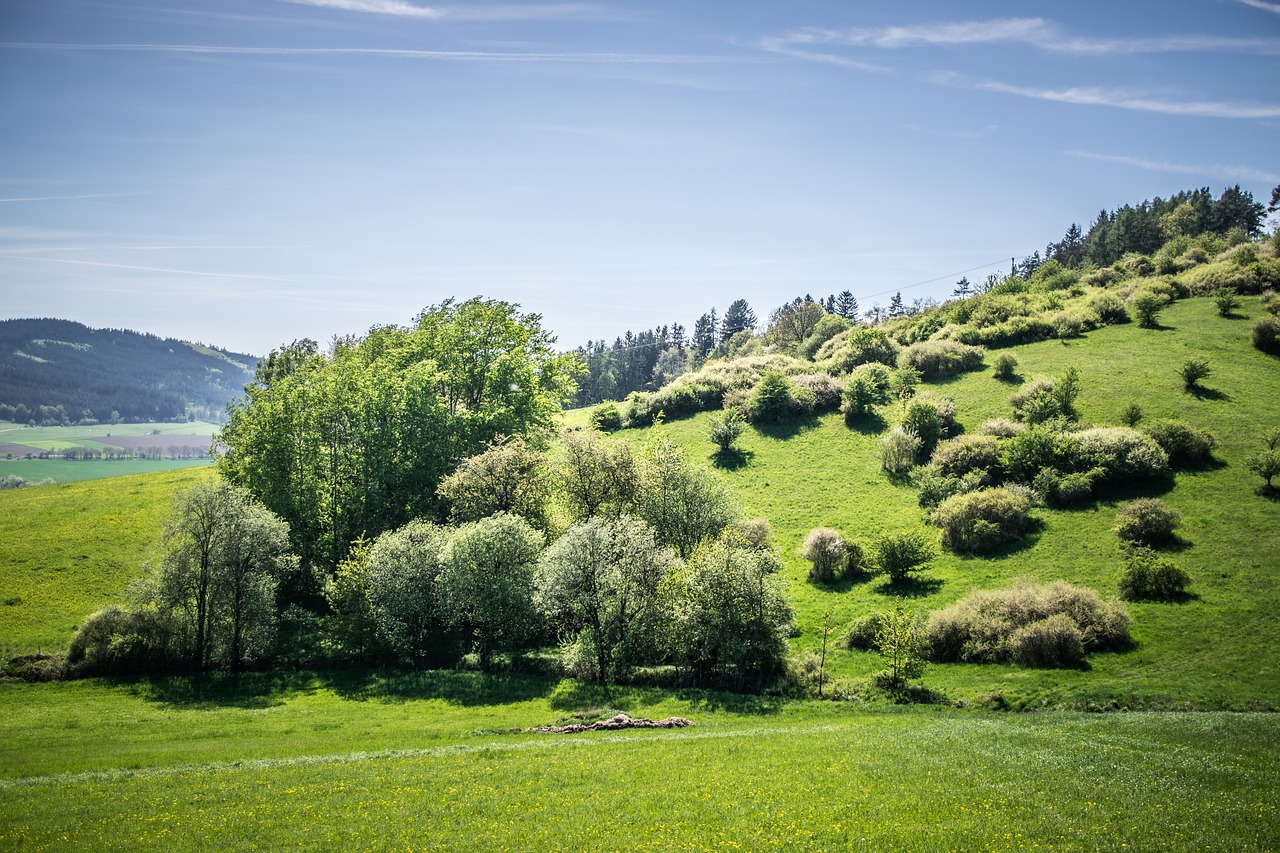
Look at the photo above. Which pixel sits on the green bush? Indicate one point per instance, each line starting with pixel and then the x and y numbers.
pixel 1266 334
pixel 861 634
pixel 924 419
pixel 861 346
pixel 776 399
pixel 1192 371
pixel 980 522
pixel 898 449
pixel 1226 301
pixel 982 626
pixel 1027 454
pixel 959 456
pixel 1265 465
pixel 1055 641
pixel 1146 521
pixel 899 555
pixel 116 641
pixel 606 417
pixel 1147 576
pixel 1146 306
pixel 1109 308
pixel 1001 428
pixel 825 550
pixel 941 358
pixel 1182 443
pixel 1123 454
pixel 726 429
pixel 935 487
pixel 1005 365
pixel 826 391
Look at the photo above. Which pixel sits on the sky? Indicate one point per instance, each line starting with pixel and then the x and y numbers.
pixel 245 173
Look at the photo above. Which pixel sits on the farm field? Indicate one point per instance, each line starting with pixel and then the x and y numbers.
pixel 19 441
pixel 423 761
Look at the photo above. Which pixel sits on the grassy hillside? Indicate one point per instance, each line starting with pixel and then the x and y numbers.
pixel 1211 651
pixel 66 550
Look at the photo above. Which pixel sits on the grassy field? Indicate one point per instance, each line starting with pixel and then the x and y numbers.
pixel 423 761
pixel 70 471
pixel 66 550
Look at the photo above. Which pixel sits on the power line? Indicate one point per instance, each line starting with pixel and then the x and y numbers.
pixel 932 280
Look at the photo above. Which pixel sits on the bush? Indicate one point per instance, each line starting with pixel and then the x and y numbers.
pixel 1192 371
pixel 1182 443
pixel 1146 576
pixel 606 418
pixel 899 555
pixel 964 454
pixel 941 358
pixel 923 418
pixel 984 626
pixel 1122 453
pixel 1005 365
pixel 826 390
pixel 1131 414
pixel 862 633
pixel 1226 301
pixel 1266 334
pixel 115 641
pixel 825 550
pixel 868 387
pixel 1146 521
pixel 1146 306
pixel 898 449
pixel 1001 428
pixel 980 522
pixel 1034 450
pixel 12 481
pixel 1055 641
pixel 1109 308
pixel 863 346
pixel 776 398
pixel 726 429
pixel 1266 465
pixel 1026 401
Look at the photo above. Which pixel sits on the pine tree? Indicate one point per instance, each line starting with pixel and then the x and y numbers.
pixel 737 317
pixel 963 288
pixel 896 308
pixel 846 305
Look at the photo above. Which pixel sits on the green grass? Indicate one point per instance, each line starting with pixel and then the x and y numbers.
pixel 1212 651
pixel 421 762
pixel 71 471
pixel 66 550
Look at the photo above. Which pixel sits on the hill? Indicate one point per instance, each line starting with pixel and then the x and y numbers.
pixel 59 371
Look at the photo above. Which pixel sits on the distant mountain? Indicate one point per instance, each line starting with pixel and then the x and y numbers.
pixel 65 372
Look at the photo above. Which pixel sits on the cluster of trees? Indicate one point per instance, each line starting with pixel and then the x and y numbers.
pixel 625 560
pixel 56 372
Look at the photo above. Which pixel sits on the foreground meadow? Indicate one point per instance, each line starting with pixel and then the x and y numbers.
pixel 424 761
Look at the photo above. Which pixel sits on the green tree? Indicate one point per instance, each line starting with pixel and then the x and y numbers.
pixel 846 305
pixel 1147 306
pixel 726 429
pixel 486 583
pixel 403 578
pixel 599 583
pixel 901 641
pixel 901 554
pixel 509 476
pixel 738 317
pixel 223 556
pixel 684 504
pixel 595 475
pixel 1192 371
pixel 793 322
pixel 355 442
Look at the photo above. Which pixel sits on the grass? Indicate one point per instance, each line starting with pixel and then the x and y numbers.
pixel 421 762
pixel 72 471
pixel 66 550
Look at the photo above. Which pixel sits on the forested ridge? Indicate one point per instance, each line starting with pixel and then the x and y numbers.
pixel 63 372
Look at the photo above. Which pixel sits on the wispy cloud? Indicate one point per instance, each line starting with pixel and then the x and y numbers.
pixel 1274 8
pixel 137 267
pixel 1217 171
pixel 1039 33
pixel 1131 100
pixel 447 55
pixel 378 7
pixel 79 197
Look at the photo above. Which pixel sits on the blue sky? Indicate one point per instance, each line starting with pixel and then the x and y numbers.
pixel 247 173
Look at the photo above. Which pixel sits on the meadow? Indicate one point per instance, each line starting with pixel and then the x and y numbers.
pixel 20 440
pixel 424 760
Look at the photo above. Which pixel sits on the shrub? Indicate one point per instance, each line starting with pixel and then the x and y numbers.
pixel 755 530
pixel 855 559
pixel 863 346
pixel 898 449
pixel 899 555
pixel 115 641
pixel 1131 414
pixel 924 420
pixel 982 626
pixel 726 429
pixel 1066 489
pixel 934 487
pixel 1055 641
pixel 1109 308
pixel 1001 428
pixel 606 417
pixel 1122 453
pixel 1146 576
pixel 826 391
pixel 1266 334
pixel 1266 465
pixel 776 398
pixel 941 358
pixel 868 387
pixel 825 550
pixel 1146 521
pixel 1226 301
pixel 639 410
pixel 12 481
pixel 1028 453
pixel 980 522
pixel 1022 399
pixel 1005 365
pixel 959 456
pixel 901 643
pixel 861 634
pixel 1181 442
pixel 1146 306
pixel 1192 371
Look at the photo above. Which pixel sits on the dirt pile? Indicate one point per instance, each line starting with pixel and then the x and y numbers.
pixel 618 721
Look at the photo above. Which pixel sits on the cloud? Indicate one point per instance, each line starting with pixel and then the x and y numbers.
pixel 200 273
pixel 1217 171
pixel 448 55
pixel 67 197
pixel 1039 33
pixel 377 7
pixel 1128 100
pixel 1274 8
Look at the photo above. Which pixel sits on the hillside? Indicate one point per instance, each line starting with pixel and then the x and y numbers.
pixel 58 371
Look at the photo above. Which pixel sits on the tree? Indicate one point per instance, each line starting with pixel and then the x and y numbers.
pixel 704 334
pixel 596 475
pixel 901 554
pixel 223 556
pixel 896 308
pixel 793 322
pixel 728 615
pixel 1192 371
pixel 682 503
pixel 1265 465
pixel 825 549
pixel 901 642
pixel 1147 306
pixel 846 305
pixel 355 442
pixel 509 476
pixel 726 430
pixel 738 317
pixel 963 289
pixel 486 583
pixel 403 578
pixel 598 583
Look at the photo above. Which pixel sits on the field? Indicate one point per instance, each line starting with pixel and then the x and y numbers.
pixel 19 441
pixel 424 760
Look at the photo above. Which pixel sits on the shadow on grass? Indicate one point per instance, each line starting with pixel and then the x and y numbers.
pixel 246 690
pixel 784 430
pixel 752 704
pixel 457 687
pixel 1202 393
pixel 872 423
pixel 911 587
pixel 1035 529
pixel 732 459
pixel 1270 493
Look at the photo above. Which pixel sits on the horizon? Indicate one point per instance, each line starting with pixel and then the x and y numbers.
pixel 268 171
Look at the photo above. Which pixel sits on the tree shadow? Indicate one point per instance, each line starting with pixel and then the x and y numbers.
pixel 1202 393
pixel 1011 379
pixel 872 423
pixel 245 690
pixel 910 587
pixel 1270 493
pixel 1028 539
pixel 573 695
pixel 790 428
pixel 732 459
pixel 752 704
pixel 456 687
